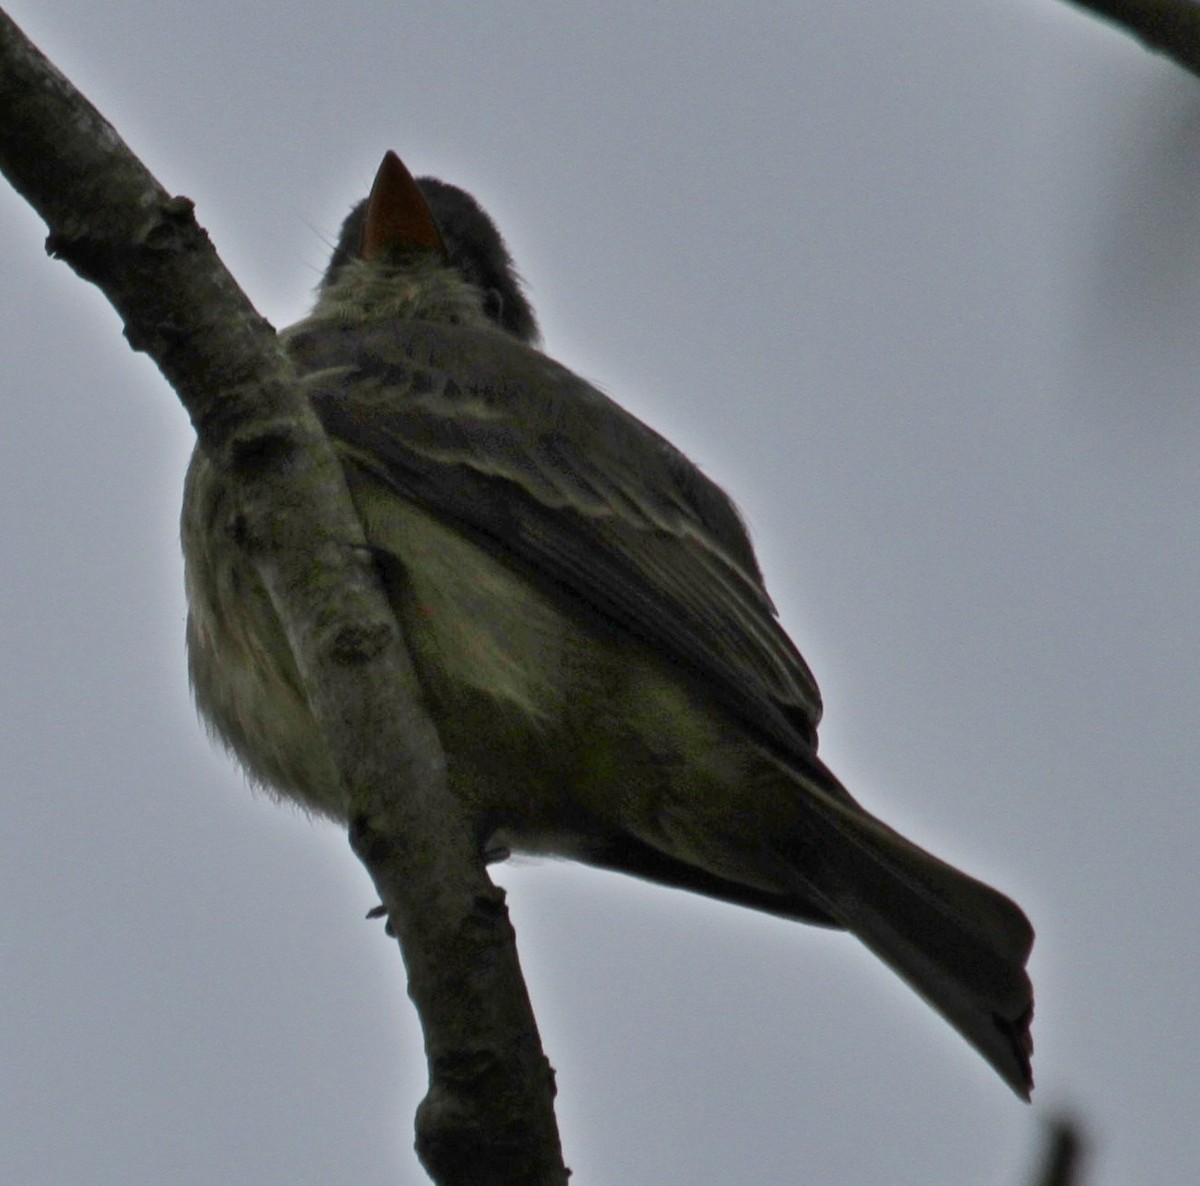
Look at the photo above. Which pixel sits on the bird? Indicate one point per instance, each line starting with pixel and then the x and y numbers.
pixel 587 619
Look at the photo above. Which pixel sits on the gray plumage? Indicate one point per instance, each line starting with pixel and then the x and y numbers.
pixel 590 628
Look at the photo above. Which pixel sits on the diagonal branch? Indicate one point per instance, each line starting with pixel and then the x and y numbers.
pixel 488 1117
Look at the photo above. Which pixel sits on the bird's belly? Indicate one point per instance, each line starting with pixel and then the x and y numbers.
pixel 526 696
pixel 555 726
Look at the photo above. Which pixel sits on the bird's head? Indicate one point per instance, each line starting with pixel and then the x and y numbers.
pixel 423 249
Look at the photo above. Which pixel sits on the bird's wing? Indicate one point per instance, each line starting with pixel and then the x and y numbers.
pixel 545 470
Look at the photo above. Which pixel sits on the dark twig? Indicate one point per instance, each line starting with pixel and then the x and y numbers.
pixel 1170 27
pixel 1063 1154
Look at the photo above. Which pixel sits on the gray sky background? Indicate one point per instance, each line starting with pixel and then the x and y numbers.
pixel 919 283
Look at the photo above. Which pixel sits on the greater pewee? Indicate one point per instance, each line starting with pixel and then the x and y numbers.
pixel 587 620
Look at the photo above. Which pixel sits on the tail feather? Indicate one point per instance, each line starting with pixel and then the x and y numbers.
pixel 959 943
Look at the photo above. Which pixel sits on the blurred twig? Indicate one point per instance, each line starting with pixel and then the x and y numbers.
pixel 1170 27
pixel 1063 1155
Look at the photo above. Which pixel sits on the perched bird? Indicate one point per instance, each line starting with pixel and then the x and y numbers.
pixel 587 620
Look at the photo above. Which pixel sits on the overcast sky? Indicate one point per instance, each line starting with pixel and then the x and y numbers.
pixel 919 283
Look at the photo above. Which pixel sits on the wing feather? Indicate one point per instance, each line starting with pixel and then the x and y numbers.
pixel 542 468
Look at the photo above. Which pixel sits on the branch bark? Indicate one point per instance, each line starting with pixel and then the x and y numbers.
pixel 487 1118
pixel 1170 27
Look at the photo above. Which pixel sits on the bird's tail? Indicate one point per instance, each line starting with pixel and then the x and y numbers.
pixel 821 858
pixel 959 943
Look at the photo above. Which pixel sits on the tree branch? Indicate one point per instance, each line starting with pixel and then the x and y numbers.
pixel 1064 1153
pixel 1170 27
pixel 488 1115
